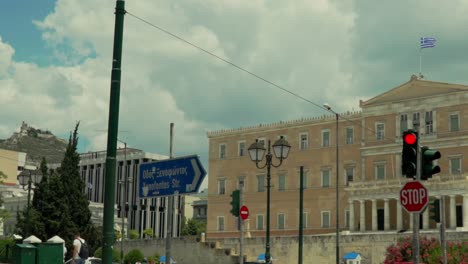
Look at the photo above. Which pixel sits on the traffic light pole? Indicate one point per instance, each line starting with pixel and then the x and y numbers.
pixel 416 215
pixel 241 229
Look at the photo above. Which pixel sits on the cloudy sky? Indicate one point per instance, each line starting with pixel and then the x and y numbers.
pixel 55 63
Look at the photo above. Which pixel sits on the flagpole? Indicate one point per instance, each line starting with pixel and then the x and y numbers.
pixel 420 63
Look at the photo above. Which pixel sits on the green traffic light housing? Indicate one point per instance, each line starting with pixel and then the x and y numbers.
pixel 434 210
pixel 428 168
pixel 409 153
pixel 235 203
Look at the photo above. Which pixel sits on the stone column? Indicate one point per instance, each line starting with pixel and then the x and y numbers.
pixel 399 218
pixel 362 216
pixel 465 211
pixel 453 212
pixel 351 216
pixel 386 215
pixel 426 219
pixel 374 215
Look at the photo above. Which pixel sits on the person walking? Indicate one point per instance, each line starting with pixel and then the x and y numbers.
pixel 78 244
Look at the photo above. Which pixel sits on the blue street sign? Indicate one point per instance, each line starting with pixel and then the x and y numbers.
pixel 168 177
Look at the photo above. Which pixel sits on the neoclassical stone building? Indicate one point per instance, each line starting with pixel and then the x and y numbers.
pixel 369 146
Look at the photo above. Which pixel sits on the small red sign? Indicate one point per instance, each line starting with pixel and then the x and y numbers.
pixel 414 197
pixel 244 212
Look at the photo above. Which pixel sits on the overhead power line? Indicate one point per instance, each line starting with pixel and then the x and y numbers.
pixel 244 70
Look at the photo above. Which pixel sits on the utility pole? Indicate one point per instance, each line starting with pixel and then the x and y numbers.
pixel 170 202
pixel 443 241
pixel 113 125
pixel 124 200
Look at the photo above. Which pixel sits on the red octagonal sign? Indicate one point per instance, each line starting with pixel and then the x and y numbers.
pixel 414 197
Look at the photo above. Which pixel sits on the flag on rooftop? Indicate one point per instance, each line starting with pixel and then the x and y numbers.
pixel 427 42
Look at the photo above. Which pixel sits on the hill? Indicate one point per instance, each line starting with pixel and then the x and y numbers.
pixel 36 143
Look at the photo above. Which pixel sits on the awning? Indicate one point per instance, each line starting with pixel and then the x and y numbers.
pixel 351 256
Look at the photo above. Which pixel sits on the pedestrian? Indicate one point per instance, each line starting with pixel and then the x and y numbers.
pixel 77 245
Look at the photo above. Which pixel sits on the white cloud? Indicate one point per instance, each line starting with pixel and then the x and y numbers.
pixel 326 51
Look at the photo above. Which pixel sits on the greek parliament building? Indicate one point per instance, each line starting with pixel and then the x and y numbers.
pixel 140 214
pixel 370 179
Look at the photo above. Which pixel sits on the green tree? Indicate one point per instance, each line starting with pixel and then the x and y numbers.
pixel 59 205
pixel 4 214
pixel 134 234
pixel 133 256
pixel 193 227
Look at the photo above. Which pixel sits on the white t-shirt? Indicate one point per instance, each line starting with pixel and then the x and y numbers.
pixel 77 244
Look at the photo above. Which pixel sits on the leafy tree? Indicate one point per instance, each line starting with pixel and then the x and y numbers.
pixel 193 227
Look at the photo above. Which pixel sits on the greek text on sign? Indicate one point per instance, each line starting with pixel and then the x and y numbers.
pixel 168 177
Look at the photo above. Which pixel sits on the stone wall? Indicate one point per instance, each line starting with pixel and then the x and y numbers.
pixel 318 249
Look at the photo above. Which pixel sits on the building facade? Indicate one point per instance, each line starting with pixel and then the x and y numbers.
pixel 369 166
pixel 11 163
pixel 140 214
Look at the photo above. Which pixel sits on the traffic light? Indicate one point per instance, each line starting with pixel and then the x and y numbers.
pixel 427 162
pixel 235 203
pixel 409 153
pixel 434 210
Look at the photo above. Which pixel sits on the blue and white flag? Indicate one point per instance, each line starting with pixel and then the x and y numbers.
pixel 427 42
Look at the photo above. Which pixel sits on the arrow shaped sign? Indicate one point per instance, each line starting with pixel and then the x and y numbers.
pixel 168 177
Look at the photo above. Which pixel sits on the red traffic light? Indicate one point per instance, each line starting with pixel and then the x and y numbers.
pixel 410 138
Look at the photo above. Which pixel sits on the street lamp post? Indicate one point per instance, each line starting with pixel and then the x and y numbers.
pixel 337 211
pixel 26 178
pixel 256 151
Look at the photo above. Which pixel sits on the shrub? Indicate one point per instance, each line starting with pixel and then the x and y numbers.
pixel 133 256
pixel 115 254
pixel 154 258
pixel 134 234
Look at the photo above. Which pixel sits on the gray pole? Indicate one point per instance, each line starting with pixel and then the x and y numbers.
pixel 416 215
pixel 241 241
pixel 301 213
pixel 337 198
pixel 124 199
pixel 443 241
pixel 170 204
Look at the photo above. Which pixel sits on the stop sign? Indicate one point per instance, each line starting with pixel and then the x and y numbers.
pixel 414 197
pixel 244 212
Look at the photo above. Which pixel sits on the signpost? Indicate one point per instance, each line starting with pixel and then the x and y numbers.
pixel 414 197
pixel 244 212
pixel 182 175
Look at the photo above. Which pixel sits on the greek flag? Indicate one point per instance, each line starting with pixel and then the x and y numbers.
pixel 427 42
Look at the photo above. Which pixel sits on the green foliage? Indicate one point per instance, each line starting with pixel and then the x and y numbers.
pixel 133 256
pixel 3 244
pixel 134 234
pixel 4 214
pixel 193 227
pixel 154 258
pixel 59 205
pixel 148 232
pixel 430 251
pixel 115 254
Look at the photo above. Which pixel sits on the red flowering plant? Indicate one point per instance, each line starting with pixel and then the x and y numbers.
pixel 402 251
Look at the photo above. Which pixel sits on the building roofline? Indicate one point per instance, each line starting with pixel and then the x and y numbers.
pixel 283 124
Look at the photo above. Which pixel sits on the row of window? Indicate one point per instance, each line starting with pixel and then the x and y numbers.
pixel 303 142
pixel 405 124
pixel 455 167
pixel 325 175
pixel 325 221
